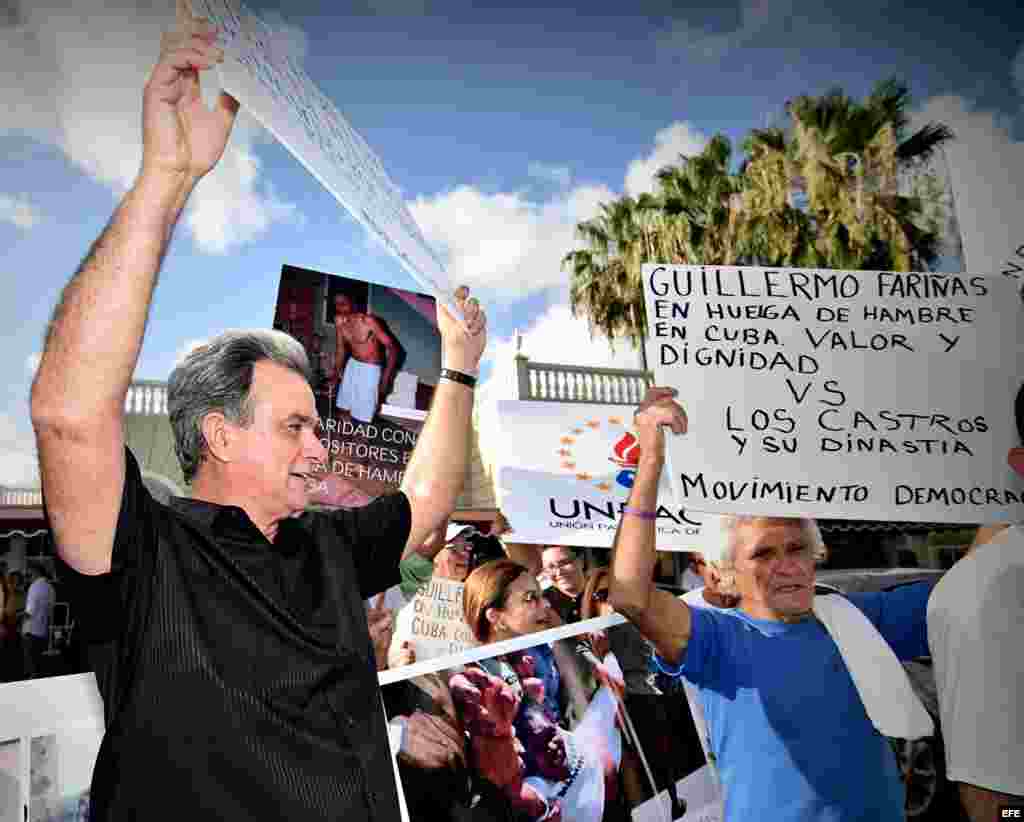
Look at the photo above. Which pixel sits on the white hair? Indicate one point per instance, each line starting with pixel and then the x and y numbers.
pixel 725 565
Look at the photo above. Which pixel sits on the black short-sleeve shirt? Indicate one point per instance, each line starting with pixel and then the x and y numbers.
pixel 237 675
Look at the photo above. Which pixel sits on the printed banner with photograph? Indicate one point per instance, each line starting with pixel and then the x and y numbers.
pixel 50 735
pixel 376 355
pixel 272 86
pixel 561 724
pixel 851 395
pixel 565 471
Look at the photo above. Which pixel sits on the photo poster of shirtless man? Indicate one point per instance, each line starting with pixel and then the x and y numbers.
pixel 375 354
pixel 552 730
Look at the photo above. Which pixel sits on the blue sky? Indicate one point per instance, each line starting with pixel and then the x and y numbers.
pixel 501 126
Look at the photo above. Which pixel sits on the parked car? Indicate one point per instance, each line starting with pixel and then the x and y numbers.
pixel 922 762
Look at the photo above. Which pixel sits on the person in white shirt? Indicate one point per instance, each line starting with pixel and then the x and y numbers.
pixel 36 626
pixel 449 571
pixel 693 576
pixel 707 595
pixel 975 618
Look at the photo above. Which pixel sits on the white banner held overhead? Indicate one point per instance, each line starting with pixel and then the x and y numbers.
pixel 854 395
pixel 271 85
pixel 565 471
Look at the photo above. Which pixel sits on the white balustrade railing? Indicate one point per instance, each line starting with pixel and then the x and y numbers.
pixel 147 399
pixel 21 496
pixel 555 382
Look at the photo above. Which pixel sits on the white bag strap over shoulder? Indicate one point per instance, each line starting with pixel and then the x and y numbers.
pixel 881 680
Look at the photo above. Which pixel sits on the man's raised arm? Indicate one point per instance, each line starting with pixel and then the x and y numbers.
pixel 437 468
pixel 662 618
pixel 94 338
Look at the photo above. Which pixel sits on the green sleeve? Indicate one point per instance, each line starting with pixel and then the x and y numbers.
pixel 415 571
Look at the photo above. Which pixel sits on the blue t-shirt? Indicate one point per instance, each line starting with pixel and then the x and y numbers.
pixel 791 736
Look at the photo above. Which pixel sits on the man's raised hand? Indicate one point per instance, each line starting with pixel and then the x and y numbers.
pixel 182 138
pixel 465 338
pixel 658 410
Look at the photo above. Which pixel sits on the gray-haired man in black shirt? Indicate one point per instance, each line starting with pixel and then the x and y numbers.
pixel 236 666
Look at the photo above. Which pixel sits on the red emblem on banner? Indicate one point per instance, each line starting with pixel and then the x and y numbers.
pixel 627 451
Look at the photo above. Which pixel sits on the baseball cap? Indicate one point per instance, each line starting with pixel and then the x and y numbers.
pixel 455 530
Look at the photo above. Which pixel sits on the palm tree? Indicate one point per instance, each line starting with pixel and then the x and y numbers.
pixel 602 294
pixel 604 282
pixel 849 156
pixel 771 230
pixel 687 220
pixel 698 200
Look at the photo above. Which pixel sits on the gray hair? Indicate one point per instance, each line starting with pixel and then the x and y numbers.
pixel 217 376
pixel 725 565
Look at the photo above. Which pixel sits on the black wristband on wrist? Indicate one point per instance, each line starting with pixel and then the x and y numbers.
pixel 459 377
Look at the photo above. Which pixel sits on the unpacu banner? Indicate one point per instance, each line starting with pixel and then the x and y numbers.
pixel 828 393
pixel 272 86
pixel 565 472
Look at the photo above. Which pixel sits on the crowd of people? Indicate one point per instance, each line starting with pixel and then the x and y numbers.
pixel 538 732
pixel 26 611
pixel 236 635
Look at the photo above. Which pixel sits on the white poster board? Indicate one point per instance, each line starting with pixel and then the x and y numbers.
pixel 701 793
pixel 433 622
pixel 273 87
pixel 565 471
pixel 852 395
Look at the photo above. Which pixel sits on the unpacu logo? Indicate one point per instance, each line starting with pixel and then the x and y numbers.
pixel 627 456
pixel 584 447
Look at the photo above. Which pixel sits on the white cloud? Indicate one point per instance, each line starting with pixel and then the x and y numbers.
pixel 555 336
pixel 682 37
pixel 552 174
pixel 511 244
pixel 669 143
pixel 23 55
pixel 18 211
pixel 19 464
pixel 987 173
pixel 83 72
pixel 230 210
pixel 505 243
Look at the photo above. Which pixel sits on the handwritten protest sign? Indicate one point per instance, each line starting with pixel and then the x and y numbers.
pixel 565 471
pixel 860 395
pixel 433 621
pixel 1013 266
pixel 272 85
